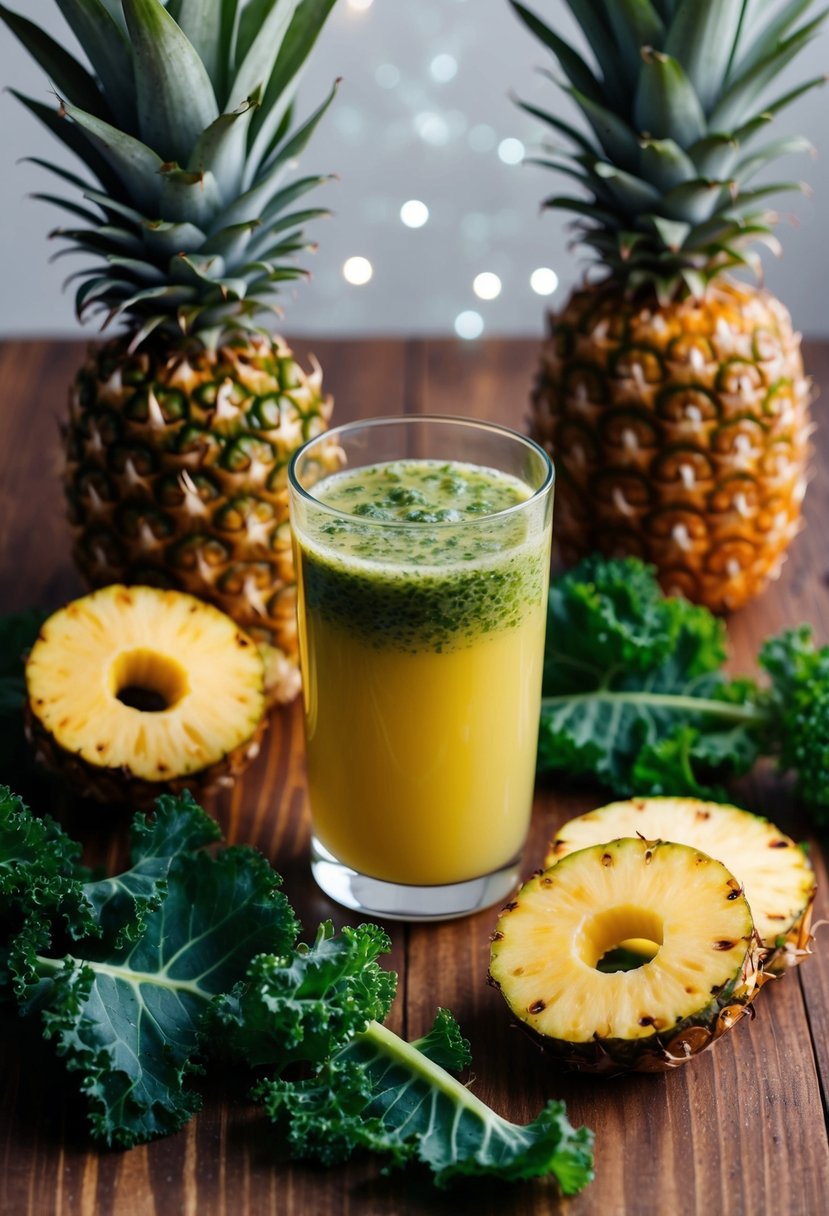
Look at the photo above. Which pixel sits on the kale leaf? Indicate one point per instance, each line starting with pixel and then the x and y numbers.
pixel 635 695
pixel 120 904
pixel 125 1002
pixel 371 1090
pixel 144 978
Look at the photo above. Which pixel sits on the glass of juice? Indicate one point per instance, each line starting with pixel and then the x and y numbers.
pixel 422 568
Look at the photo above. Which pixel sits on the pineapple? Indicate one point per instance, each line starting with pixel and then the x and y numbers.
pixel 671 396
pixel 181 427
pixel 777 877
pixel 135 691
pixel 552 955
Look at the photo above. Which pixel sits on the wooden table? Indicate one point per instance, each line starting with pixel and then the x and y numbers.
pixel 742 1129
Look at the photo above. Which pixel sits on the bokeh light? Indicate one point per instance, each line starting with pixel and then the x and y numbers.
pixel 544 281
pixel 360 6
pixel 443 68
pixel 414 213
pixel 487 286
pixel 469 324
pixel 432 128
pixel 357 271
pixel 511 151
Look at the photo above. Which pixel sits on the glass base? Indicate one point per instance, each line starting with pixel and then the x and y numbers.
pixel 400 901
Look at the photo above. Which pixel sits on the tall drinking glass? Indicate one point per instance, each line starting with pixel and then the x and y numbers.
pixel 422 568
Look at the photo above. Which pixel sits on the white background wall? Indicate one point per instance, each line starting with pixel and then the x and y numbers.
pixel 396 132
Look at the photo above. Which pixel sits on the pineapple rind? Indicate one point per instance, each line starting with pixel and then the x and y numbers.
pixel 116 787
pixel 675 102
pixel 680 435
pixel 176 476
pixel 776 874
pixel 189 214
pixel 80 728
pixel 696 987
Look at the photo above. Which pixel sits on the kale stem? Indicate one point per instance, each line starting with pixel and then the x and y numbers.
pixel 389 1044
pixel 753 714
pixel 128 976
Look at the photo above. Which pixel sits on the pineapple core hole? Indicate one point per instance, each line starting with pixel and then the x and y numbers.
pixel 621 939
pixel 148 681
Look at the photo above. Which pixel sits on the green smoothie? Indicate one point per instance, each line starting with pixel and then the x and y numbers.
pixel 422 610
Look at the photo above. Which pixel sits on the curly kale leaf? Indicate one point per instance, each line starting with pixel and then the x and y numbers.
pixel 634 694
pixel 40 870
pixel 119 904
pixel 302 1006
pixel 799 673
pixel 608 617
pixel 136 977
pixel 125 1004
pixel 369 1089
pixel 382 1094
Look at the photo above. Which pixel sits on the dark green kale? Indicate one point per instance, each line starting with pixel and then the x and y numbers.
pixel 635 694
pixel 121 972
pixel 191 955
pixel 368 1089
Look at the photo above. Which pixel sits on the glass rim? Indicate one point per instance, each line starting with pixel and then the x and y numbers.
pixel 450 420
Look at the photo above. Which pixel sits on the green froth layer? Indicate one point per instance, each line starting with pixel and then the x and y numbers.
pixel 427 582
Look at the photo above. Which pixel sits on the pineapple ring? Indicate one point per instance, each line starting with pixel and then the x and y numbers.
pixel 776 874
pixel 550 940
pixel 137 690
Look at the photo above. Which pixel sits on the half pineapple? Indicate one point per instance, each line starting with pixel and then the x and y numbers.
pixel 135 691
pixel 555 950
pixel 180 429
pixel 776 874
pixel 671 397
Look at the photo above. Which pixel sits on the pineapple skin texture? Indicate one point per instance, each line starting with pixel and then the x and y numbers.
pixel 680 435
pixel 176 476
pixel 119 787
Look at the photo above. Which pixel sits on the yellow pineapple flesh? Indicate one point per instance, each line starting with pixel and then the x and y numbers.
pixel 776 874
pixel 680 435
pixel 177 476
pixel 136 691
pixel 552 943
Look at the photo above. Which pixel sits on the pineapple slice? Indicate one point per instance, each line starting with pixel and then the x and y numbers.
pixel 552 940
pixel 134 691
pixel 776 874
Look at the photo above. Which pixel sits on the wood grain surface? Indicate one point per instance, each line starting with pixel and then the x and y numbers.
pixel 741 1129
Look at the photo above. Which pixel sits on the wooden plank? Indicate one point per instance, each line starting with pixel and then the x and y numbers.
pixel 489 380
pixel 34 535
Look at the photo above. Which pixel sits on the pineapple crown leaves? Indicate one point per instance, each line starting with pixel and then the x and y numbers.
pixel 670 103
pixel 184 122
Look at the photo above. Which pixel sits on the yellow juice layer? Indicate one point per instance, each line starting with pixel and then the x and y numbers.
pixel 421 765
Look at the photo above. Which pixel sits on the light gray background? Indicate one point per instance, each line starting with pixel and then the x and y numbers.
pixel 484 214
